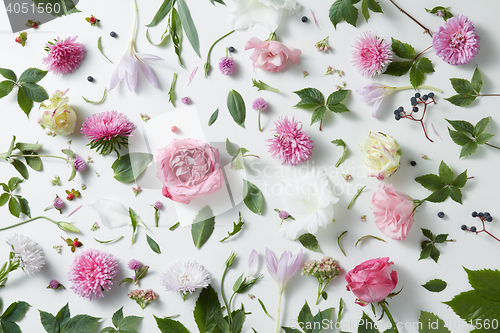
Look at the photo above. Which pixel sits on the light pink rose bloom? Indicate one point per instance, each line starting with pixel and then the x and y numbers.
pixel 189 169
pixel 393 211
pixel 271 55
pixel 372 280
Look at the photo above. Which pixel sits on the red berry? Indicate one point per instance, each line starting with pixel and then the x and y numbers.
pixel 18 40
pixel 71 196
pixel 76 243
pixel 34 25
pixel 92 19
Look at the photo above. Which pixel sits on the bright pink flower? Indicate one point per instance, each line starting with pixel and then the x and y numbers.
pixel 457 42
pixel 64 56
pixel 371 54
pixel 372 280
pixel 393 211
pixel 290 144
pixel 189 169
pixel 271 55
pixel 106 125
pixel 92 272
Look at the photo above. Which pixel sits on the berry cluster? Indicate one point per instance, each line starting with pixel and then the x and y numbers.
pixel 415 100
pixel 483 217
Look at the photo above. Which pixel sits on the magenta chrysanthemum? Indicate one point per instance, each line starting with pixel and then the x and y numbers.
pixel 290 144
pixel 456 42
pixel 371 54
pixel 92 272
pixel 226 66
pixel 64 56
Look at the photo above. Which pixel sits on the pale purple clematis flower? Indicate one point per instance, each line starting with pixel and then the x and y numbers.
pixel 253 263
pixel 281 271
pixel 133 62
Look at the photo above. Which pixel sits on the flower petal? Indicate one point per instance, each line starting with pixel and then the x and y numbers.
pixel 113 214
pixel 148 73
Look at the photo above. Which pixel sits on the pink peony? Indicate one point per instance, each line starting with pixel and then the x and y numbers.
pixel 371 54
pixel 456 41
pixel 393 211
pixel 290 144
pixel 372 280
pixel 64 56
pixel 271 55
pixel 189 169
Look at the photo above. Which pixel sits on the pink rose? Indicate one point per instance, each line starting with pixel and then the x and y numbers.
pixel 271 55
pixel 189 169
pixel 393 211
pixel 372 280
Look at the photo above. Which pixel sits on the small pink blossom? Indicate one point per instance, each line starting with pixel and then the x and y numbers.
pixel 226 65
pixel 79 163
pixel 271 55
pixel 371 54
pixel 290 143
pixel 259 104
pixel 64 56
pixel 134 264
pixel 186 100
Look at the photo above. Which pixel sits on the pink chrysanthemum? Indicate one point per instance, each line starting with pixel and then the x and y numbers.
pixel 226 66
pixel 290 144
pixel 64 56
pixel 107 131
pixel 456 42
pixel 92 272
pixel 371 54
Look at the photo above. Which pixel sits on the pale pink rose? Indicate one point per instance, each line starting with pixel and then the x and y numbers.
pixel 271 55
pixel 189 169
pixel 393 211
pixel 372 280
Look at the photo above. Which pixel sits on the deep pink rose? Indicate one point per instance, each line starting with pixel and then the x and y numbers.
pixel 393 211
pixel 372 280
pixel 271 55
pixel 189 169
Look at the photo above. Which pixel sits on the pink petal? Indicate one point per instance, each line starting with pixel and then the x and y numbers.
pixel 148 73
pixel 376 106
pixel 254 42
pixel 149 57
pixel 271 264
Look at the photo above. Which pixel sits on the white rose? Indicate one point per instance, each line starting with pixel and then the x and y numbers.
pixel 56 116
pixel 382 155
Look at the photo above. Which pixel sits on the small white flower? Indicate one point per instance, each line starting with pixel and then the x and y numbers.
pixel 185 276
pixel 27 252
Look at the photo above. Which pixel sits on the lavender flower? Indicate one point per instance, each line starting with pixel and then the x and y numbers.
pixel 134 264
pixel 79 163
pixel 226 65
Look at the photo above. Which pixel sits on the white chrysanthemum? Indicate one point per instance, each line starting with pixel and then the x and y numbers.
pixel 28 253
pixel 185 276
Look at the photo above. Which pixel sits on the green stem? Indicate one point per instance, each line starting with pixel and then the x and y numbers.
pixel 421 87
pixel 492 145
pixel 230 302
pixel 260 128
pixel 224 295
pixel 418 55
pixel 278 317
pixel 320 291
pixel 59 157
pixel 383 304
pixel 488 94
pixel 411 17
pixel 32 219
pixel 207 64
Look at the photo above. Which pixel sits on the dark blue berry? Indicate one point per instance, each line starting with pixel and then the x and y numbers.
pixel 415 109
pixel 401 109
pixel 425 97
pixel 396 111
pixel 440 215
pixel 473 229
pixel 431 95
pixel 463 227
pixel 231 49
pixel 417 95
pixel 489 218
pixel 112 34
pixel 304 19
pixel 480 214
pixel 397 117
pixel 486 214
pixel 474 214
pixel 90 78
pixel 413 163
pixel 413 99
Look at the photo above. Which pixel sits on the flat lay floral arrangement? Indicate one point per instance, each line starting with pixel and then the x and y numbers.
pixel 338 214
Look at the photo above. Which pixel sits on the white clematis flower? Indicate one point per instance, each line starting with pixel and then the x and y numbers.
pixel 268 13
pixel 310 201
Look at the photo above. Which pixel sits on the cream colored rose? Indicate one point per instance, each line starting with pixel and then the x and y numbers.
pixel 56 116
pixel 382 155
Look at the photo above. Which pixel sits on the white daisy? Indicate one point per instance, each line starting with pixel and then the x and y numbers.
pixel 185 276
pixel 27 252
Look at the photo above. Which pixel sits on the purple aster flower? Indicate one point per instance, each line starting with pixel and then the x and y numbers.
pixel 371 54
pixel 134 264
pixel 290 144
pixel 79 163
pixel 226 65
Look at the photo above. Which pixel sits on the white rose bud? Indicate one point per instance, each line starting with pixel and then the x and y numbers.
pixel 55 115
pixel 382 155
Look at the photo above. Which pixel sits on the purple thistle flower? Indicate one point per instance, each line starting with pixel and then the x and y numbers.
pixel 134 264
pixel 260 104
pixel 158 205
pixel 290 144
pixel 283 214
pixel 79 163
pixel 226 65
pixel 186 100
pixel 53 284
pixel 58 204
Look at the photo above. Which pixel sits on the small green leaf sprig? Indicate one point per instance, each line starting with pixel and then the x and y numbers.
pixel 237 227
pixel 312 98
pixel 441 11
pixel 469 136
pixel 425 100
pixel 62 322
pixel 12 314
pixel 429 248
pixel 29 91
pixel 122 324
pixel 312 323
pixel 140 272
pixel 467 91
pixel 17 204
pixel 237 155
pixel 345 10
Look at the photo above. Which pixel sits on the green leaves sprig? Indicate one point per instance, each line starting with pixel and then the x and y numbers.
pixel 13 313
pixel 443 185
pixel 311 98
pixel 29 91
pixel 122 324
pixel 445 11
pixel 417 66
pixel 429 248
pixel 310 323
pixel 263 86
pixel 467 91
pixel 17 204
pixel 469 136
pixel 28 151
pixel 237 162
pixel 63 323
pixel 237 227
pixel 344 10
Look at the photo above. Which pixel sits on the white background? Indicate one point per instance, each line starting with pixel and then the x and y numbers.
pixel 471 251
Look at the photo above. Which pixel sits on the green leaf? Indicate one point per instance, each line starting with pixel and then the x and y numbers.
pixel 402 50
pixel 369 236
pixel 486 282
pixel 455 194
pixel 468 149
pixel 236 107
pixel 162 12
pixel 8 74
pixel 99 47
pixel 231 149
pixel 427 233
pixel 222 324
pixel 459 138
pixel 49 322
pixel 21 168
pixel 398 68
pixel 252 197
pixel 219 1
pixel 103 98
pixel 310 242
pixel 80 324
pixel 63 315
pixel 340 143
pixel 213 117
pixel 364 10
pixel 33 160
pixel 175 226
pixel 206 307
pixel 435 285
pixel 5 187
pixel 366 325
pixel 471 305
pixel 188 26
pixel 263 86
pixel 171 91
pixel 477 81
pixel 441 238
pixel 341 309
pixel 176 34
pixel 15 311
pixel 418 70
pixel 460 180
pixel 6 87
pixel 237 227
pixel 203 226
pixel 462 86
pixel 431 182
pixel 305 316
pixel 318 114
pixel 343 10
pixel 32 75
pixel 109 329
pixel 426 252
pixel 25 208
pixel 462 126
pixel 483 138
pixel 338 242
pixel 117 317
pixel 14 183
pixel 438 196
pixel 129 167
pixel 4 198
pixel 153 245
pixel 238 319
pixel 481 126
pixel 428 321
pixel 337 96
pixel 424 244
pixel 34 92
pixel 338 108
pixel 128 323
pixel 14 207
pixel 445 173
pixel 356 195
pixel 108 241
pixel 461 100
pixel 24 102
pixel 264 308
pixel 434 253
pixel 290 330
pixel 310 97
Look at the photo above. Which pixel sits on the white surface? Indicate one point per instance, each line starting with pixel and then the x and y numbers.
pixel 471 251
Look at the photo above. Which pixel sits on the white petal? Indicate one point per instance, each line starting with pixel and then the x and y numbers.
pixel 113 214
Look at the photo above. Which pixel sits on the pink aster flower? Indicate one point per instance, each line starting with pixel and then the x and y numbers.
pixel 456 42
pixel 290 144
pixel 92 272
pixel 64 56
pixel 371 54
pixel 107 131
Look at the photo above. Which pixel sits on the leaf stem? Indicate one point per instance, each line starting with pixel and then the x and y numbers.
pixel 488 95
pixel 426 30
pixel 32 219
pixel 59 157
pixel 207 64
pixel 383 304
pixel 418 55
pixel 492 145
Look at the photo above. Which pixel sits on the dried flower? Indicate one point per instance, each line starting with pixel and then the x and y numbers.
pixel 89 159
pixel 136 190
pixel 84 187
pixel 21 39
pixel 134 264
pixel 145 117
pixel 72 194
pixel 143 297
pixel 92 20
pixel 54 284
pixel 324 271
pixel 79 163
pixel 363 218
pixel 226 65
pixel 371 54
pixel 330 70
pixel 64 56
pixel 185 276
pixel 56 181
pixel 94 227
pixel 347 177
pixel 305 73
pixel 58 204
pixel 27 253
pixel 425 157
pixel 290 144
pixel 58 248
pixel 322 45
pixel 73 243
pixel 186 100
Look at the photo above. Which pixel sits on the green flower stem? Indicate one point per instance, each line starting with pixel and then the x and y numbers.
pixel 59 157
pixel 260 128
pixel 157 217
pixel 224 295
pixel 207 64
pixel 32 219
pixel 383 304
pixel 278 317
pixel 492 145
pixel 422 87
